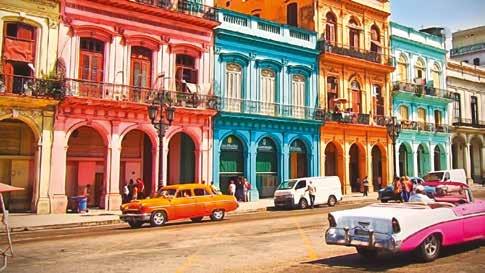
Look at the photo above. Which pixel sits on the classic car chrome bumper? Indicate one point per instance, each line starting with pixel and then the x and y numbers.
pixel 135 217
pixel 363 238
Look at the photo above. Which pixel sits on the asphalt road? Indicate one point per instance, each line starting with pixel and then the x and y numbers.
pixel 275 241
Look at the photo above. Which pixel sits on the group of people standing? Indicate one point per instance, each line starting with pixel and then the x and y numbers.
pixel 239 187
pixel 133 190
pixel 409 192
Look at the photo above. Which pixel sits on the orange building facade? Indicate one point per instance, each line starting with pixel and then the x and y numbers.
pixel 354 82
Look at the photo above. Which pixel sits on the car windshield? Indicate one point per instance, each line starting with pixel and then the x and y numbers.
pixel 286 185
pixel 433 176
pixel 166 192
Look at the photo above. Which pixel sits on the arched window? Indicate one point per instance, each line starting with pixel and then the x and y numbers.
pixel 91 60
pixel 141 66
pixel 268 89
pixel 356 97
pixel 420 69
pixel 292 14
pixel 354 33
pixel 331 29
pixel 437 117
pixel 402 69
pixel 378 100
pixel 436 75
pixel 186 70
pixel 298 87
pixel 332 92
pixel 404 113
pixel 421 118
pixel 375 39
pixel 233 81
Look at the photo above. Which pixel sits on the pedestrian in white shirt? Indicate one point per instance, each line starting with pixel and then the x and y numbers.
pixel 232 188
pixel 420 196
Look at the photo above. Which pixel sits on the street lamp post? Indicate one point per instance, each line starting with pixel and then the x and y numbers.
pixel 156 113
pixel 393 130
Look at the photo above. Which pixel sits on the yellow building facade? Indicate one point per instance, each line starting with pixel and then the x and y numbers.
pixel 355 67
pixel 28 99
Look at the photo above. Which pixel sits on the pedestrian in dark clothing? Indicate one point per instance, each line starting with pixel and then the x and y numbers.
pixel 131 185
pixel 239 189
pixel 365 183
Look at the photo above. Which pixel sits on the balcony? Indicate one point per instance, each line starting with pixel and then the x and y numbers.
pixel 467 49
pixel 268 109
pixel 257 27
pixel 346 50
pixel 183 6
pixel 17 85
pixel 421 90
pixel 424 126
pixel 133 94
pixel 468 122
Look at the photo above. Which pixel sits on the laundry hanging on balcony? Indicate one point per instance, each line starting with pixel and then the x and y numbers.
pixel 18 50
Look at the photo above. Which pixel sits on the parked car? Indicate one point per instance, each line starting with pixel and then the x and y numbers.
pixel 425 228
pixel 292 193
pixel 456 175
pixel 387 194
pixel 194 201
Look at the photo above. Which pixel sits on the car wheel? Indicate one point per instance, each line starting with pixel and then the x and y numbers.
pixel 217 215
pixel 367 253
pixel 332 201
pixel 430 248
pixel 303 204
pixel 384 200
pixel 135 224
pixel 196 219
pixel 158 218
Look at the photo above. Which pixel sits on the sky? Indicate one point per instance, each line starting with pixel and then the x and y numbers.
pixel 452 14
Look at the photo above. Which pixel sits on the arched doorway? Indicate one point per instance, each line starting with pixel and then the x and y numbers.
pixel 405 160
pixel 266 168
pixel 357 166
pixel 476 159
pixel 458 150
pixel 439 158
pixel 17 163
pixel 378 168
pixel 334 161
pixel 137 160
pixel 231 162
pixel 86 169
pixel 298 159
pixel 423 160
pixel 181 160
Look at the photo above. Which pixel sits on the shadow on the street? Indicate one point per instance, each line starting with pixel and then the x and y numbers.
pixel 174 224
pixel 387 261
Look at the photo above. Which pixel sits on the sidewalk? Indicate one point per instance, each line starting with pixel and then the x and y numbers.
pixel 29 222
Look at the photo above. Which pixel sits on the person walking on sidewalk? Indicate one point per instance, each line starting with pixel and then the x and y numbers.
pixel 232 188
pixel 365 183
pixel 312 191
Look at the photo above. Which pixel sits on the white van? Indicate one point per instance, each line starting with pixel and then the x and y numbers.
pixel 292 193
pixel 457 175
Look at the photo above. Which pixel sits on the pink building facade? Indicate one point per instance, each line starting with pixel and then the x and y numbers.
pixel 116 56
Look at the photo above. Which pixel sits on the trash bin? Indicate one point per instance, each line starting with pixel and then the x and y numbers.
pixel 78 204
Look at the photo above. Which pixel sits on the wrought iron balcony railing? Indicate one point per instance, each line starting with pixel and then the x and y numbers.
pixel 355 118
pixel 190 7
pixel 424 126
pixel 346 50
pixel 133 94
pixel 468 122
pixel 421 90
pixel 268 109
pixel 33 87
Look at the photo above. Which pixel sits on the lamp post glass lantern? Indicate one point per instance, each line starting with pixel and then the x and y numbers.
pixel 393 130
pixel 156 113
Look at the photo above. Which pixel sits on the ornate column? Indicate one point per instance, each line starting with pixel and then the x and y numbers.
pixel 370 175
pixel 431 157
pixel 415 160
pixel 57 189
pixel 113 197
pixel 468 163
pixel 346 157
pixel 44 161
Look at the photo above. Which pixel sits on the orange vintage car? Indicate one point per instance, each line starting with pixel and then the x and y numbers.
pixel 194 201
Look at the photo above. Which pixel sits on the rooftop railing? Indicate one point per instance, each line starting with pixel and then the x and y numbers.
pixel 354 52
pixel 184 6
pixel 421 90
pixel 467 49
pixel 18 85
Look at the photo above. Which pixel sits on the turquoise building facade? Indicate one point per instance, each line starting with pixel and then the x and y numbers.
pixel 420 101
pixel 267 129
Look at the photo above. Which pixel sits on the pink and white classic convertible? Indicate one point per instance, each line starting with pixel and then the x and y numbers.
pixel 454 218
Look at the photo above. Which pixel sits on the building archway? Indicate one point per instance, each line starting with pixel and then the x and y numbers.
pixel 298 159
pixel 334 158
pixel 18 163
pixel 458 150
pixel 86 167
pixel 476 159
pixel 406 167
pixel 379 167
pixel 266 167
pixel 423 160
pixel 357 166
pixel 181 159
pixel 439 158
pixel 231 160
pixel 137 160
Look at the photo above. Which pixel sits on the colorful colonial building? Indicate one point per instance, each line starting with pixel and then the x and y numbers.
pixel 266 78
pixel 420 101
pixel 29 93
pixel 467 82
pixel 117 56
